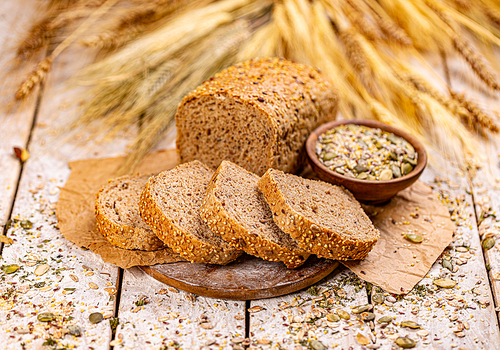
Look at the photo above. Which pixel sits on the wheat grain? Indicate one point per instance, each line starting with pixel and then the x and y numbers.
pixel 478 120
pixel 476 61
pixel 359 20
pixel 36 77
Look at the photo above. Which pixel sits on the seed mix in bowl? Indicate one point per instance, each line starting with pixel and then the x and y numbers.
pixel 365 153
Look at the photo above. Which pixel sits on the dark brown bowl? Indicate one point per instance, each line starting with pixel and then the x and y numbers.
pixel 372 192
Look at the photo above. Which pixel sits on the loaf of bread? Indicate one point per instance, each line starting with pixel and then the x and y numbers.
pixel 256 114
pixel 235 208
pixel 170 204
pixel 324 219
pixel 117 214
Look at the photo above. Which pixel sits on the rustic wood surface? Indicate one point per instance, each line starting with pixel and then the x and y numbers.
pixel 57 277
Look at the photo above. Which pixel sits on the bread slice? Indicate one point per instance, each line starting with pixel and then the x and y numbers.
pixel 256 114
pixel 170 204
pixel 117 214
pixel 235 208
pixel 324 219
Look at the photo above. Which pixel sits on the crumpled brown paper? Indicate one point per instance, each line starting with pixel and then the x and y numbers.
pixel 75 209
pixel 388 265
pixel 396 264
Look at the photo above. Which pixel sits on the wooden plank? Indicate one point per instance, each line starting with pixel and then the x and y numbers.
pixel 78 283
pixel 460 317
pixel 16 124
pixel 299 320
pixel 173 318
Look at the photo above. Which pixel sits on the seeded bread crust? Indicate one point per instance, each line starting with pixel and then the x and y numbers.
pixel 256 114
pixel 180 240
pixel 124 233
pixel 325 239
pixel 237 230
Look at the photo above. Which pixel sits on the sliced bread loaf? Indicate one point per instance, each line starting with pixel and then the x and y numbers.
pixel 256 114
pixel 235 208
pixel 324 219
pixel 117 214
pixel 170 204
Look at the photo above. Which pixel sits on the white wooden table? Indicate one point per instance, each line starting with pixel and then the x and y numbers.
pixel 78 283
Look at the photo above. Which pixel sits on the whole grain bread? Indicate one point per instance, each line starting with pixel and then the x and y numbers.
pixel 235 208
pixel 170 204
pixel 256 114
pixel 323 218
pixel 117 214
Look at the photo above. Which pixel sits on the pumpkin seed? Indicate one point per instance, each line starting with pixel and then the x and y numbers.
pixel 340 171
pixel 343 314
pixel 393 155
pixel 6 240
pixel 39 284
pixel 410 324
pixel 385 319
pixel 333 318
pixel 394 139
pixel 367 316
pixel 317 345
pixel 41 269
pixel 447 264
pixel 406 168
pixel 45 317
pixel 396 171
pixel 26 224
pixel 75 330
pixel 444 283
pixel 488 243
pixel 96 317
pixel 405 342
pixel 360 308
pixel 385 175
pixel 413 237
pixel 362 340
pixel 410 148
pixel 362 176
pixel 328 156
pixel 10 268
pixel 409 160
pixel 379 298
pixel 360 168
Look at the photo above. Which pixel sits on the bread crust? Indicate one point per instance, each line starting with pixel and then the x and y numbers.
pixel 218 219
pixel 123 236
pixel 291 99
pixel 179 240
pixel 310 235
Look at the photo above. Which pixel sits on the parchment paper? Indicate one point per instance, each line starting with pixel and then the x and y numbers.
pixel 75 209
pixel 389 264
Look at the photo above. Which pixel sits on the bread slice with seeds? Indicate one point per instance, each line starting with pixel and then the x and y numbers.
pixel 235 208
pixel 324 219
pixel 170 205
pixel 117 214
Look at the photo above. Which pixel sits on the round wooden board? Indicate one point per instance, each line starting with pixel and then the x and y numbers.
pixel 246 278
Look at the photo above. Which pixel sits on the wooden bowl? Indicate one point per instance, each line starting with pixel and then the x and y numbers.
pixel 370 192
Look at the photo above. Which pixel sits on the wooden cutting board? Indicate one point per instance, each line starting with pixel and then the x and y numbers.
pixel 246 278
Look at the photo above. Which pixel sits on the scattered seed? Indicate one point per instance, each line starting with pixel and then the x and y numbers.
pixel 360 308
pixel 75 330
pixel 385 319
pixel 488 243
pixel 362 340
pixel 343 314
pixel 45 317
pixel 333 317
pixel 74 278
pixel 412 237
pixel 317 345
pixel 405 342
pixel 41 269
pixel 93 285
pixel 10 268
pixel 423 333
pixel 410 324
pixel 367 316
pixel 447 264
pixel 206 325
pixel 445 283
pixel 5 240
pixel 96 317
pixel 26 224
pixel 379 298
pixel 256 308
